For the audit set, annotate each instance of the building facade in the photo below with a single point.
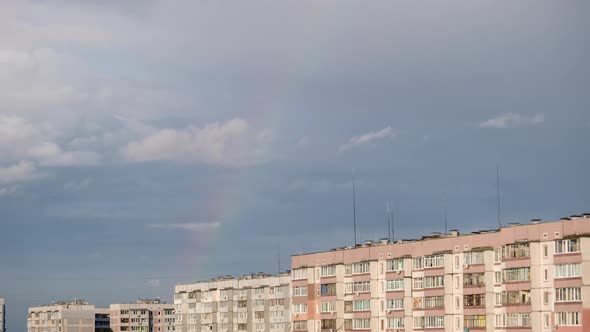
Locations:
(533, 277)
(2, 315)
(253, 303)
(70, 316)
(143, 315)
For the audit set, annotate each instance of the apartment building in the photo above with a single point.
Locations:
(2, 315)
(65, 316)
(150, 315)
(531, 277)
(253, 303)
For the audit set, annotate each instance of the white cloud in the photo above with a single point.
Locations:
(369, 137)
(302, 142)
(75, 186)
(509, 120)
(153, 283)
(23, 171)
(232, 143)
(192, 227)
(9, 190)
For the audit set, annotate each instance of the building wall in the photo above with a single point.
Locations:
(61, 318)
(146, 317)
(252, 303)
(495, 280)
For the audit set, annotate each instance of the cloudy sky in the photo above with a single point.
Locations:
(146, 143)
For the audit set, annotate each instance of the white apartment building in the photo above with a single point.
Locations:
(143, 315)
(70, 316)
(253, 303)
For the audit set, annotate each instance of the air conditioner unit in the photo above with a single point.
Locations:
(388, 311)
(465, 266)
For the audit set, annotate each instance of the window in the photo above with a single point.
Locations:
(545, 251)
(497, 255)
(546, 274)
(568, 318)
(300, 291)
(395, 284)
(358, 268)
(395, 264)
(242, 327)
(328, 289)
(277, 290)
(568, 270)
(418, 283)
(474, 321)
(474, 279)
(516, 250)
(259, 326)
(497, 277)
(259, 291)
(361, 305)
(395, 323)
(328, 270)
(434, 282)
(513, 320)
(361, 287)
(328, 306)
(275, 302)
(418, 263)
(299, 274)
(259, 314)
(567, 246)
(457, 261)
(347, 306)
(395, 304)
(568, 294)
(429, 302)
(348, 269)
(429, 322)
(473, 258)
(299, 325)
(515, 297)
(328, 324)
(547, 320)
(517, 274)
(474, 300)
(258, 303)
(361, 324)
(433, 261)
(299, 308)
(242, 304)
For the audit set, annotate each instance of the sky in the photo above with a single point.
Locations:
(149, 143)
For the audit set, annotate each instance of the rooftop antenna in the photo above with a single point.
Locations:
(388, 223)
(446, 218)
(354, 207)
(279, 256)
(392, 214)
(498, 192)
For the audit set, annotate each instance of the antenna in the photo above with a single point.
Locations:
(354, 207)
(279, 256)
(446, 219)
(498, 192)
(388, 223)
(392, 227)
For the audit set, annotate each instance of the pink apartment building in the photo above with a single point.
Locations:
(143, 315)
(531, 277)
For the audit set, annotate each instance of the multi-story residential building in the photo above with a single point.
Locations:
(253, 303)
(531, 277)
(102, 322)
(143, 315)
(70, 316)
(2, 315)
